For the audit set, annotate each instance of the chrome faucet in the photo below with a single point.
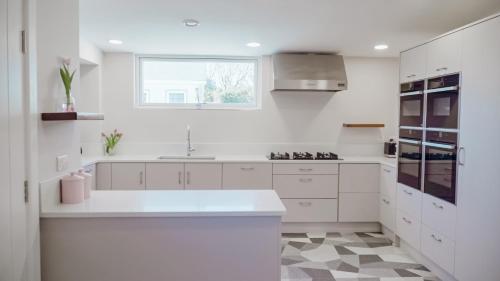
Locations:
(189, 148)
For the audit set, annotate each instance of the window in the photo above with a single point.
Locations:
(197, 83)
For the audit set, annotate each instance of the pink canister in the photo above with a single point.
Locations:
(87, 182)
(72, 189)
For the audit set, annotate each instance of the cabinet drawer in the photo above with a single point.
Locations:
(439, 215)
(247, 176)
(408, 229)
(410, 201)
(203, 176)
(310, 210)
(358, 207)
(306, 186)
(387, 212)
(438, 248)
(305, 169)
(359, 178)
(164, 176)
(103, 176)
(128, 176)
(388, 181)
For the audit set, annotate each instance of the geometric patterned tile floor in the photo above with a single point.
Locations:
(346, 257)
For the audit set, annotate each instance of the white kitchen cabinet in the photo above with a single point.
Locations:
(203, 176)
(306, 186)
(387, 212)
(128, 176)
(439, 215)
(444, 55)
(359, 178)
(247, 176)
(409, 200)
(412, 66)
(388, 181)
(478, 192)
(358, 207)
(91, 169)
(310, 210)
(164, 176)
(408, 228)
(438, 248)
(305, 169)
(103, 176)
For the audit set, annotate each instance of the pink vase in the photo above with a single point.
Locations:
(72, 189)
(87, 182)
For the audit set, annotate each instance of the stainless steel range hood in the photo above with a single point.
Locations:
(308, 72)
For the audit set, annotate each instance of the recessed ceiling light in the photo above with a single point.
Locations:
(381, 47)
(191, 23)
(253, 44)
(115, 42)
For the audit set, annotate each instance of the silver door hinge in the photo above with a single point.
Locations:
(26, 191)
(23, 41)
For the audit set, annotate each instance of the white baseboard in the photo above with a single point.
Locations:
(342, 227)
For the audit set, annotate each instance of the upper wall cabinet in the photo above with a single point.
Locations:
(443, 55)
(413, 64)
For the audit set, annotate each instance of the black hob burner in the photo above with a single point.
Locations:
(303, 156)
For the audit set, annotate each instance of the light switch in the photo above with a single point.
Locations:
(62, 162)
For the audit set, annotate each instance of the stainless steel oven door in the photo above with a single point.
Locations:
(410, 163)
(440, 170)
(411, 109)
(442, 108)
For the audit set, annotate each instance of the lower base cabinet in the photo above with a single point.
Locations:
(359, 207)
(387, 212)
(408, 229)
(438, 248)
(310, 210)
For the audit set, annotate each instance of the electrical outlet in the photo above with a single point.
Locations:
(62, 162)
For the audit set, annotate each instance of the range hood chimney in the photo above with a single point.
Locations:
(308, 72)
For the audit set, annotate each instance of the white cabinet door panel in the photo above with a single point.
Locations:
(359, 207)
(359, 178)
(408, 228)
(310, 210)
(203, 176)
(444, 55)
(164, 176)
(128, 176)
(410, 201)
(387, 212)
(247, 176)
(103, 176)
(439, 215)
(413, 64)
(388, 181)
(438, 248)
(306, 186)
(305, 169)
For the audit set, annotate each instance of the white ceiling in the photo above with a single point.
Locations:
(351, 27)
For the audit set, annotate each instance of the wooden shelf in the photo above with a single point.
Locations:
(70, 116)
(363, 125)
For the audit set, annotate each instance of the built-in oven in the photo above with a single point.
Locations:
(440, 166)
(410, 162)
(411, 104)
(443, 102)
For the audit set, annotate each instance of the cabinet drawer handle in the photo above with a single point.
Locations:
(188, 177)
(305, 169)
(247, 168)
(387, 170)
(305, 180)
(386, 201)
(406, 220)
(179, 177)
(141, 175)
(410, 76)
(437, 239)
(408, 192)
(437, 205)
(442, 69)
(305, 204)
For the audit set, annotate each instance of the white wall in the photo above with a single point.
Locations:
(287, 121)
(57, 38)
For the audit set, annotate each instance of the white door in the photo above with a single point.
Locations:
(412, 65)
(164, 176)
(203, 176)
(128, 176)
(478, 192)
(443, 55)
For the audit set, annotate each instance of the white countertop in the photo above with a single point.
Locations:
(169, 203)
(237, 159)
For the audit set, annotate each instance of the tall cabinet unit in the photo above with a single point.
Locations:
(448, 174)
(478, 195)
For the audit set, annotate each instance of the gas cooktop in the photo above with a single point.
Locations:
(303, 156)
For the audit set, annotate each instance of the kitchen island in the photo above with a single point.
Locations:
(221, 235)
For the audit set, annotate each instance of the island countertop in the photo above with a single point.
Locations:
(169, 203)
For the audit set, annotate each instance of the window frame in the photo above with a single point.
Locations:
(257, 61)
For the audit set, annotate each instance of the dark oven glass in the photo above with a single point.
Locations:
(442, 102)
(415, 134)
(409, 164)
(440, 171)
(411, 104)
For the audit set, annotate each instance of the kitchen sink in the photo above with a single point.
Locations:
(185, 157)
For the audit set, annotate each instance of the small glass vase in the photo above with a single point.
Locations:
(109, 151)
(67, 104)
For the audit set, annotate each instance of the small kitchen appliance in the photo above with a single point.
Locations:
(390, 148)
